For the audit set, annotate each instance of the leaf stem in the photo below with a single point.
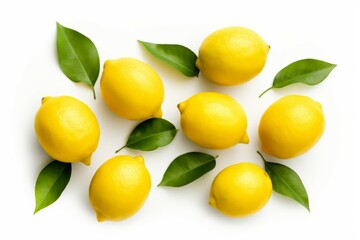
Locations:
(94, 94)
(120, 149)
(261, 156)
(265, 91)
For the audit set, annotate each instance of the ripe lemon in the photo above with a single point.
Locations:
(240, 190)
(291, 126)
(232, 56)
(213, 120)
(67, 129)
(132, 89)
(119, 188)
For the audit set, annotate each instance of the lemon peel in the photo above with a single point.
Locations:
(240, 190)
(213, 120)
(67, 129)
(119, 188)
(232, 55)
(291, 126)
(132, 89)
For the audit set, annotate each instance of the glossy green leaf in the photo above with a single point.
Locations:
(177, 56)
(307, 71)
(77, 55)
(186, 168)
(50, 183)
(287, 182)
(151, 134)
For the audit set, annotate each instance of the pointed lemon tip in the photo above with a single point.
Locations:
(106, 63)
(212, 201)
(198, 63)
(158, 113)
(86, 161)
(181, 107)
(100, 217)
(45, 99)
(139, 159)
(245, 139)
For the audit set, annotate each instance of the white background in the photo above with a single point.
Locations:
(326, 30)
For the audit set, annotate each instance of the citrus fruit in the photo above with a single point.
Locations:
(240, 190)
(132, 89)
(67, 129)
(119, 188)
(213, 120)
(232, 55)
(291, 126)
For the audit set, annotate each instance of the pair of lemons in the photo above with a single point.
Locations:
(68, 130)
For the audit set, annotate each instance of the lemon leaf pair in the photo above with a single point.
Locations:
(50, 183)
(77, 55)
(306, 71)
(157, 132)
(286, 182)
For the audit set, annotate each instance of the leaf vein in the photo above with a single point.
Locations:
(148, 136)
(57, 177)
(200, 166)
(293, 80)
(87, 74)
(298, 197)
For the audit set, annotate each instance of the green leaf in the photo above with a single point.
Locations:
(50, 183)
(151, 134)
(307, 71)
(77, 55)
(186, 168)
(287, 182)
(177, 56)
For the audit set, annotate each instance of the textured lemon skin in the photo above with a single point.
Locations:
(232, 55)
(67, 129)
(132, 89)
(240, 190)
(213, 120)
(291, 126)
(119, 188)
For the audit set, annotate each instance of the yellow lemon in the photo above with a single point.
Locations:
(132, 89)
(240, 190)
(119, 188)
(67, 129)
(291, 126)
(213, 120)
(232, 55)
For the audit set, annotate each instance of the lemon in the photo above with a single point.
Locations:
(67, 129)
(119, 188)
(232, 55)
(132, 89)
(240, 190)
(291, 126)
(213, 120)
